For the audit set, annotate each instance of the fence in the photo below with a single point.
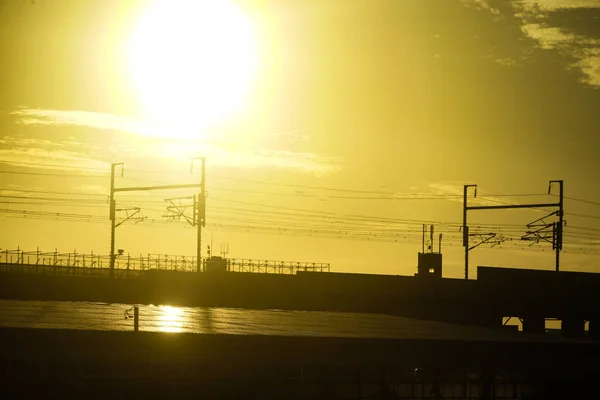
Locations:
(274, 267)
(97, 261)
(98, 265)
(71, 271)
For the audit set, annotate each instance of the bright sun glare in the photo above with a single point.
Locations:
(193, 62)
(171, 319)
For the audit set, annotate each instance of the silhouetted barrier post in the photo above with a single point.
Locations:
(594, 328)
(136, 319)
(534, 324)
(573, 327)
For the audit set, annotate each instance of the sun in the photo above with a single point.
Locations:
(193, 63)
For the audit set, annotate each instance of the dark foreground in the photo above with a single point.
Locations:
(530, 295)
(108, 364)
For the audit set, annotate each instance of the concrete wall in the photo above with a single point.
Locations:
(499, 292)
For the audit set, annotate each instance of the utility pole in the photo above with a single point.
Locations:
(200, 212)
(112, 215)
(465, 227)
(557, 237)
(559, 228)
(199, 209)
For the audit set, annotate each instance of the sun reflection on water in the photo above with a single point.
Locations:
(170, 319)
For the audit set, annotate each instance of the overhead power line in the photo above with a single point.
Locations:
(58, 166)
(265, 209)
(52, 199)
(582, 200)
(584, 215)
(399, 195)
(49, 192)
(335, 231)
(52, 174)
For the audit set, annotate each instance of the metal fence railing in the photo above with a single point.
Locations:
(274, 267)
(97, 261)
(58, 270)
(91, 264)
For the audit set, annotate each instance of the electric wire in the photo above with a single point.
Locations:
(278, 218)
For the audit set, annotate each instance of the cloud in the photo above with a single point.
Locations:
(37, 116)
(567, 26)
(94, 189)
(148, 140)
(506, 61)
(547, 37)
(49, 156)
(481, 4)
(551, 5)
(452, 189)
(456, 190)
(590, 65)
(570, 26)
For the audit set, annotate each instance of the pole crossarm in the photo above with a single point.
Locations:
(532, 234)
(489, 238)
(135, 210)
(541, 233)
(177, 211)
(513, 206)
(533, 224)
(138, 188)
(536, 235)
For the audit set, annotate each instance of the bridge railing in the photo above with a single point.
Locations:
(71, 271)
(31, 261)
(274, 266)
(97, 261)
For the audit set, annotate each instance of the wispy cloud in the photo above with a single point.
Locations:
(38, 116)
(224, 150)
(551, 5)
(581, 46)
(456, 190)
(537, 24)
(481, 4)
(589, 62)
(24, 152)
(547, 37)
(93, 189)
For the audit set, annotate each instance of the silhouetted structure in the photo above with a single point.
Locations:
(443, 361)
(467, 354)
(430, 263)
(498, 293)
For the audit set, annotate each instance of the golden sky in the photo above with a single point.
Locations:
(332, 130)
